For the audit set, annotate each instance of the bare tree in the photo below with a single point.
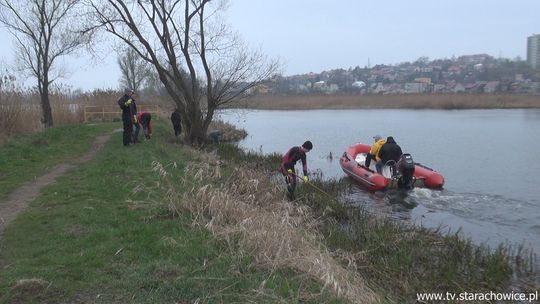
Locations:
(44, 32)
(199, 60)
(134, 69)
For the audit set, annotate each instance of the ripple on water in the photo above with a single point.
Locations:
(484, 217)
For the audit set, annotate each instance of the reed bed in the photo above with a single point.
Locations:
(21, 109)
(247, 207)
(17, 117)
(405, 101)
(22, 114)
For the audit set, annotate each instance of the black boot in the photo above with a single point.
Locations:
(290, 192)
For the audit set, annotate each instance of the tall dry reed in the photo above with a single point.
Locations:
(402, 101)
(21, 108)
(250, 208)
(21, 113)
(16, 115)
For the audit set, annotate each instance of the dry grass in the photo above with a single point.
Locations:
(229, 132)
(409, 101)
(32, 290)
(21, 113)
(16, 117)
(31, 286)
(248, 207)
(21, 110)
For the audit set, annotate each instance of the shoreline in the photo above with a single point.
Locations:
(412, 101)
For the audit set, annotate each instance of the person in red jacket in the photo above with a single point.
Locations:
(144, 119)
(287, 166)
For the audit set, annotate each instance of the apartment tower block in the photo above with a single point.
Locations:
(533, 51)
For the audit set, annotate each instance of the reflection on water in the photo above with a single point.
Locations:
(488, 159)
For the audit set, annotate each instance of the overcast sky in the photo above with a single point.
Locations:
(316, 35)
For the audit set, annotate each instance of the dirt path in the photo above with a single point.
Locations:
(20, 198)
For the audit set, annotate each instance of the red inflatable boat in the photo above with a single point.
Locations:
(353, 164)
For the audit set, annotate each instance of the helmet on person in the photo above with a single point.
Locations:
(377, 137)
(307, 145)
(129, 91)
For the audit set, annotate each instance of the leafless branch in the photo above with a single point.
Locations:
(199, 60)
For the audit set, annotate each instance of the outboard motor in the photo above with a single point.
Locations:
(405, 167)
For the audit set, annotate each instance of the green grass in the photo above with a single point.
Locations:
(27, 157)
(101, 234)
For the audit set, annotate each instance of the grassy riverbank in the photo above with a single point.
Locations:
(104, 233)
(409, 101)
(163, 223)
(26, 157)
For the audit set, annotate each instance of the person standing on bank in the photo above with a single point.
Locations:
(176, 120)
(136, 125)
(129, 109)
(287, 166)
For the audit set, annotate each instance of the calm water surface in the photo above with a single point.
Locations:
(490, 160)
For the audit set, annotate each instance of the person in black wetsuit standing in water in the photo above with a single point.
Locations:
(287, 166)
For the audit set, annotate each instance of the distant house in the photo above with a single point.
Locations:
(440, 88)
(318, 84)
(455, 69)
(423, 69)
(332, 88)
(302, 88)
(492, 87)
(358, 84)
(458, 88)
(473, 87)
(525, 87)
(426, 80)
(377, 88)
(259, 89)
(415, 87)
(393, 88)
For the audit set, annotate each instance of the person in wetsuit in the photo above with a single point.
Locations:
(287, 166)
(176, 120)
(389, 151)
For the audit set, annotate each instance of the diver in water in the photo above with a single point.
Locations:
(287, 166)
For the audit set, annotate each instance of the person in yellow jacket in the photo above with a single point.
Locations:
(374, 152)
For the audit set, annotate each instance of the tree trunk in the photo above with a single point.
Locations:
(196, 128)
(196, 134)
(47, 118)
